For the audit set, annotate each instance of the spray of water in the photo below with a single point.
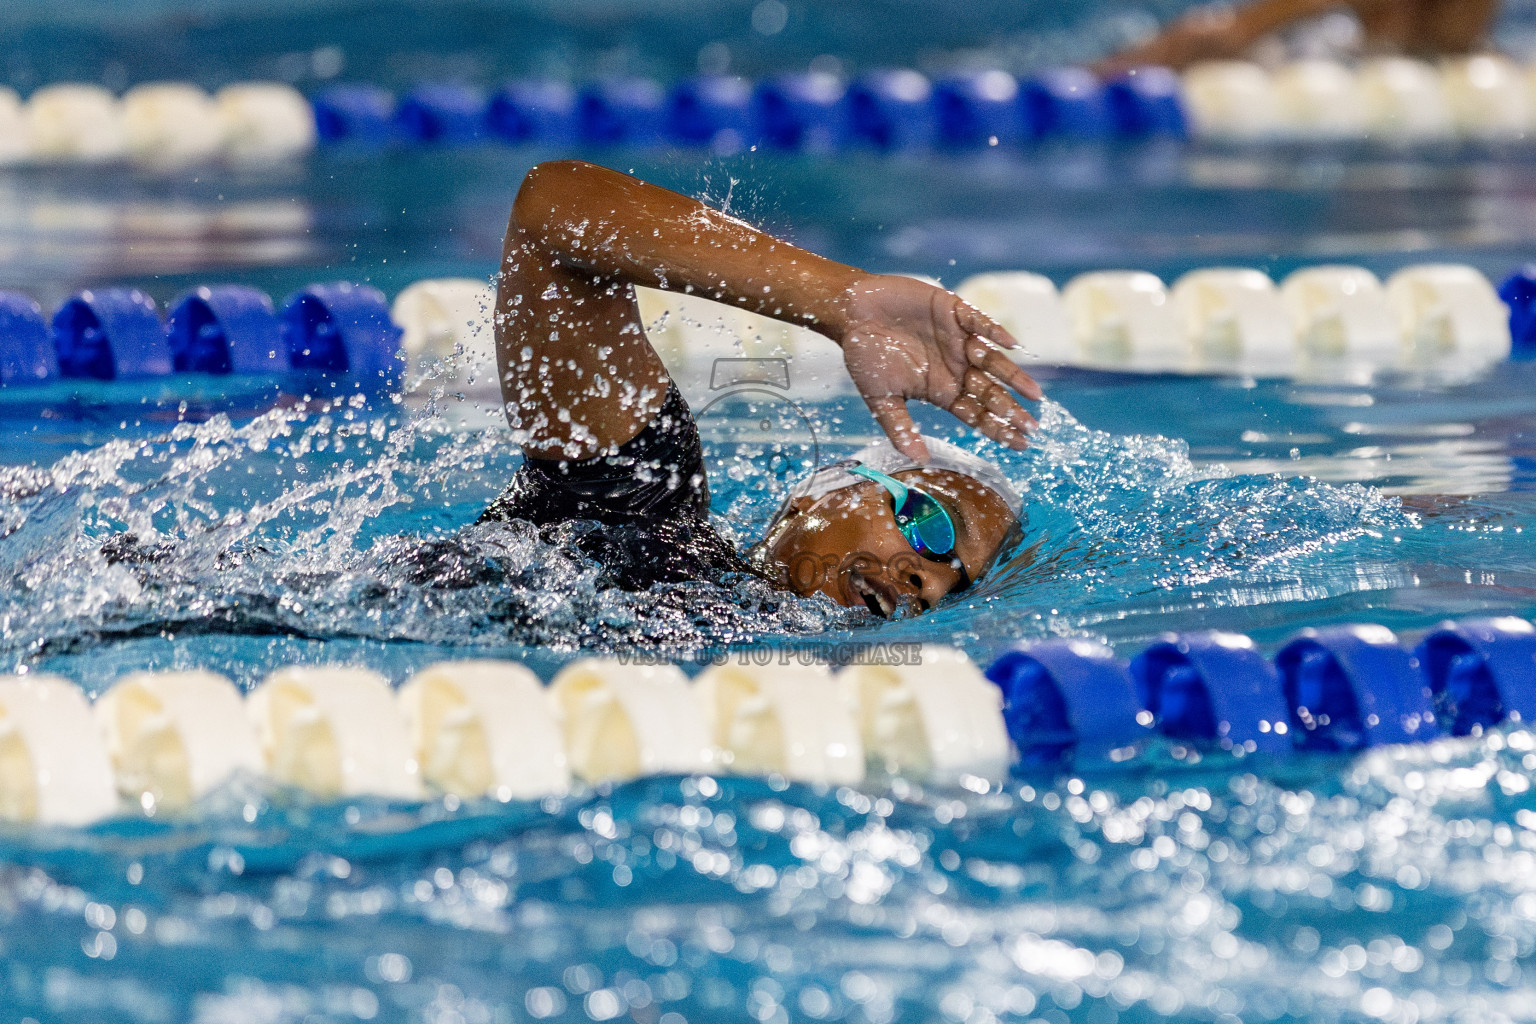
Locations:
(340, 521)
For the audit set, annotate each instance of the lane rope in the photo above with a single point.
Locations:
(1391, 102)
(1330, 322)
(483, 728)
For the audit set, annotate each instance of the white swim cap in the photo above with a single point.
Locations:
(883, 457)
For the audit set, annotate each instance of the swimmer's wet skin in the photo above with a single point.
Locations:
(607, 436)
(1422, 28)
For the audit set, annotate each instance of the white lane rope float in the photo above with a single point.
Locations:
(485, 728)
(789, 720)
(334, 731)
(172, 737)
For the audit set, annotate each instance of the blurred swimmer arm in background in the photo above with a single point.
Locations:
(579, 377)
(1424, 28)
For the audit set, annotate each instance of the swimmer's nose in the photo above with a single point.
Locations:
(922, 588)
(913, 591)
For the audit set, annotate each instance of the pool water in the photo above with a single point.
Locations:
(1395, 886)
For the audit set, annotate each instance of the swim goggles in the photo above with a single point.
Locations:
(923, 522)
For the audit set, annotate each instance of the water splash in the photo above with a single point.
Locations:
(327, 522)
(1126, 536)
(338, 521)
(1138, 516)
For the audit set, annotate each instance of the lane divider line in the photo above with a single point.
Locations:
(488, 729)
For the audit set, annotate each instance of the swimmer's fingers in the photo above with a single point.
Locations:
(990, 361)
(974, 321)
(999, 405)
(973, 412)
(891, 413)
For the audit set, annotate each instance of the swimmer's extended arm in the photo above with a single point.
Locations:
(1422, 27)
(1215, 32)
(579, 376)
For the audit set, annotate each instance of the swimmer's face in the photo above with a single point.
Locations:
(846, 545)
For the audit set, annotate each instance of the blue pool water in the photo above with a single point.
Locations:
(1393, 886)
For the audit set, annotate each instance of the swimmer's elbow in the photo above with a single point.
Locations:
(549, 191)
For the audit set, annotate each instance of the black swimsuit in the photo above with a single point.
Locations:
(651, 498)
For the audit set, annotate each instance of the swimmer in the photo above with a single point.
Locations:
(607, 437)
(1419, 28)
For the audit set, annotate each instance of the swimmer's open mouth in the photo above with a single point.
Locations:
(879, 599)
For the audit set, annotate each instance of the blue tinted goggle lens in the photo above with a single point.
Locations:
(920, 518)
(925, 524)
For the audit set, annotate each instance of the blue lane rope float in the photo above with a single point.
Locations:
(893, 110)
(355, 114)
(533, 111)
(1519, 293)
(1324, 673)
(1329, 689)
(715, 111)
(27, 355)
(623, 111)
(1212, 688)
(1064, 697)
(1145, 102)
(225, 329)
(111, 334)
(438, 113)
(978, 109)
(1066, 103)
(342, 328)
(803, 112)
(1481, 672)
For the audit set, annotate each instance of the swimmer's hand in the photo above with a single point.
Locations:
(903, 340)
(1205, 33)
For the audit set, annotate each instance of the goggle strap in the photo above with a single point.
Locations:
(896, 488)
